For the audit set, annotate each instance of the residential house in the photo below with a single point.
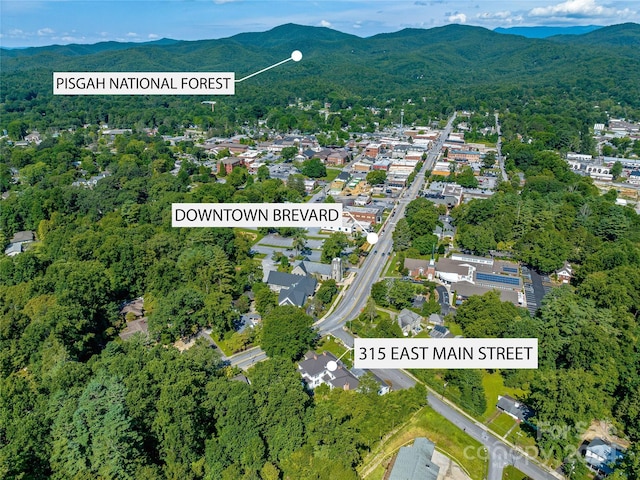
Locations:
(440, 331)
(565, 273)
(18, 242)
(415, 462)
(410, 322)
(310, 184)
(634, 177)
(518, 410)
(315, 371)
(137, 322)
(446, 229)
(34, 137)
(292, 289)
(601, 456)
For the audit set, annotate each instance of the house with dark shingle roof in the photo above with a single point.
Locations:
(314, 371)
(410, 322)
(292, 289)
(414, 462)
(18, 241)
(515, 409)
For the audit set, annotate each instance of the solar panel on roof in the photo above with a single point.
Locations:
(498, 278)
(510, 269)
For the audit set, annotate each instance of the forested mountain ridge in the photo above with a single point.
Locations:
(624, 34)
(460, 66)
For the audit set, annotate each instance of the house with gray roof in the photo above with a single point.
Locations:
(514, 408)
(440, 331)
(314, 372)
(321, 271)
(410, 322)
(601, 456)
(292, 289)
(414, 462)
(18, 241)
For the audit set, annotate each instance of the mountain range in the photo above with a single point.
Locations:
(410, 61)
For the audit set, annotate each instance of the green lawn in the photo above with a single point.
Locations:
(502, 424)
(521, 438)
(454, 328)
(494, 386)
(512, 473)
(332, 173)
(391, 270)
(448, 439)
(330, 344)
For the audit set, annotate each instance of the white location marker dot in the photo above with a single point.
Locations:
(296, 55)
(332, 365)
(372, 238)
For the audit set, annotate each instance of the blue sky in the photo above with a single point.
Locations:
(46, 22)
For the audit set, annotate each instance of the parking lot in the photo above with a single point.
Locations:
(536, 286)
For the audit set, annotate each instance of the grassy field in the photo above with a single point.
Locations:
(330, 344)
(502, 424)
(512, 473)
(521, 438)
(494, 386)
(391, 270)
(426, 423)
(332, 173)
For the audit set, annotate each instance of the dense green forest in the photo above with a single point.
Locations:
(76, 402)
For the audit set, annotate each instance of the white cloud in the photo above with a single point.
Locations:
(71, 39)
(324, 23)
(132, 34)
(220, 2)
(458, 18)
(493, 15)
(572, 8)
(45, 31)
(153, 36)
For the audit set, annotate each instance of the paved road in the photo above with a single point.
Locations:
(443, 300)
(499, 148)
(497, 452)
(248, 358)
(355, 297)
(371, 269)
(535, 288)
